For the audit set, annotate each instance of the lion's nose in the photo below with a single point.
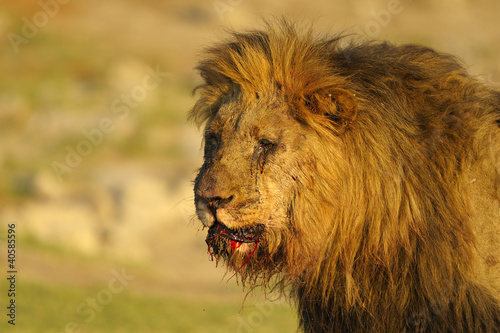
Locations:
(206, 208)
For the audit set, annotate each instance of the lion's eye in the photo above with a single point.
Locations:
(211, 143)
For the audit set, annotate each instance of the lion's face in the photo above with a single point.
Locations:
(262, 185)
(246, 185)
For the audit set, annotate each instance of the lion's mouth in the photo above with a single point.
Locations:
(220, 236)
(240, 235)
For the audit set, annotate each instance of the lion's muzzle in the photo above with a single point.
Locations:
(222, 239)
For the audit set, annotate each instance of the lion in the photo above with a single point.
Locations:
(359, 178)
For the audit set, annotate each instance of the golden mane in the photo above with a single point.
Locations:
(391, 188)
(261, 62)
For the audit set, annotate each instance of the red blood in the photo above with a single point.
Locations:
(251, 254)
(235, 244)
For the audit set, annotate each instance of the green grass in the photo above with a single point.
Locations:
(51, 308)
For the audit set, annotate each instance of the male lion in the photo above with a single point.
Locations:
(362, 178)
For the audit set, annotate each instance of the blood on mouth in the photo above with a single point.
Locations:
(219, 232)
(235, 244)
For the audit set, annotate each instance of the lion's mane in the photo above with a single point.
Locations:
(406, 187)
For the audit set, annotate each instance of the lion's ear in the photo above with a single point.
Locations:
(339, 105)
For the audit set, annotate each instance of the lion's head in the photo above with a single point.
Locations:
(263, 183)
(340, 168)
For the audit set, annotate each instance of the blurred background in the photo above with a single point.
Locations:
(97, 158)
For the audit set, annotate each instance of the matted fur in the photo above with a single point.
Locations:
(374, 168)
